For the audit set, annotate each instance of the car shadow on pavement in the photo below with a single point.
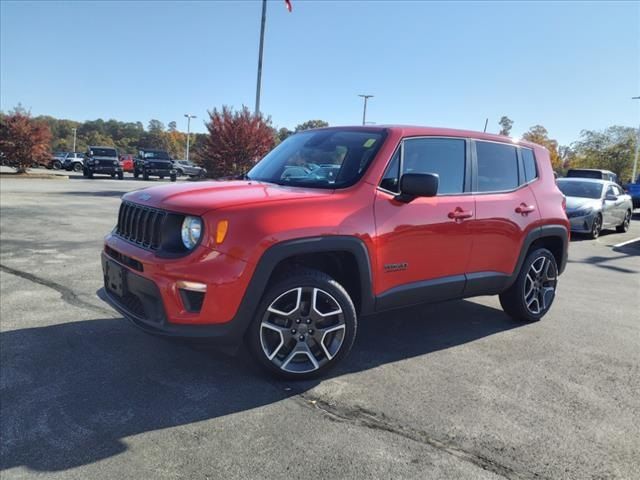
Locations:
(72, 393)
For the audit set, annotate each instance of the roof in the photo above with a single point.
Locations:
(416, 131)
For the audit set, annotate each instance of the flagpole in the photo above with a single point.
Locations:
(259, 83)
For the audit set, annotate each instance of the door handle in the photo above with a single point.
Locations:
(525, 209)
(459, 214)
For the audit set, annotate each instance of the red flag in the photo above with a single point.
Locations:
(287, 3)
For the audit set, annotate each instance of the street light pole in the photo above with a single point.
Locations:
(635, 161)
(189, 117)
(364, 110)
(259, 83)
(75, 130)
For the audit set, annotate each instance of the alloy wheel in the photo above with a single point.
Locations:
(596, 227)
(302, 330)
(627, 221)
(540, 285)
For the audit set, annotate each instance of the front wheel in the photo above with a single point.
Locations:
(120, 175)
(135, 174)
(533, 292)
(624, 226)
(173, 178)
(77, 167)
(304, 325)
(145, 175)
(57, 165)
(596, 227)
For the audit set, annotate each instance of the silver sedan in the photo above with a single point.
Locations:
(594, 205)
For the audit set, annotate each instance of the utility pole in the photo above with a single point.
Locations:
(75, 131)
(259, 83)
(635, 161)
(189, 117)
(364, 111)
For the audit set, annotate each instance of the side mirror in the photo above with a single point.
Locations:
(611, 197)
(413, 185)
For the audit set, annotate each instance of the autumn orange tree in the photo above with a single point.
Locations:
(538, 134)
(236, 141)
(23, 140)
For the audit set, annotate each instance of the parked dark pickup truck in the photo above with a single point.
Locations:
(103, 161)
(155, 163)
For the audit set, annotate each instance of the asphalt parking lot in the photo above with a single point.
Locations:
(454, 390)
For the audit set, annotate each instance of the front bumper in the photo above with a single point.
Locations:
(157, 171)
(582, 224)
(151, 299)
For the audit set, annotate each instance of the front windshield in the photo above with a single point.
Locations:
(332, 158)
(581, 189)
(156, 155)
(103, 152)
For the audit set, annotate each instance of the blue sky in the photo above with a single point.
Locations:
(568, 66)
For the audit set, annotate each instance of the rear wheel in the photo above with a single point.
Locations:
(624, 226)
(77, 167)
(533, 292)
(173, 178)
(57, 165)
(596, 227)
(135, 174)
(145, 175)
(304, 325)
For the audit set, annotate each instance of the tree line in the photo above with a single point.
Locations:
(236, 139)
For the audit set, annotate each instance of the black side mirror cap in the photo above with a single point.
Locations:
(413, 185)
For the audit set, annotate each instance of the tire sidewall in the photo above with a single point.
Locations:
(311, 279)
(519, 285)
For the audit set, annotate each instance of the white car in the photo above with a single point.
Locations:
(594, 205)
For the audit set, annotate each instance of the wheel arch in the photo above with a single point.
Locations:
(344, 258)
(554, 238)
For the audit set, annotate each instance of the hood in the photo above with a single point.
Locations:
(200, 197)
(575, 203)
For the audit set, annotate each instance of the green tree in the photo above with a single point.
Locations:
(173, 126)
(309, 124)
(611, 149)
(155, 126)
(24, 141)
(505, 125)
(538, 134)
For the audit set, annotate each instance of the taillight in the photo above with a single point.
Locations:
(564, 203)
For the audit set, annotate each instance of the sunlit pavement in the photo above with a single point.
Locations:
(455, 390)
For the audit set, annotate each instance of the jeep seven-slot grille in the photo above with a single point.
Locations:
(140, 225)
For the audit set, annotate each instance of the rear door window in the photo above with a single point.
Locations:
(497, 167)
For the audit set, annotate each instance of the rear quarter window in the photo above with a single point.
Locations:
(497, 166)
(529, 164)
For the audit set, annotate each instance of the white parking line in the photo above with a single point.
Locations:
(627, 242)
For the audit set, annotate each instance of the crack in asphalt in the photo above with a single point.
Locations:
(67, 295)
(379, 421)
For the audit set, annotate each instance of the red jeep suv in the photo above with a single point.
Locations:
(335, 224)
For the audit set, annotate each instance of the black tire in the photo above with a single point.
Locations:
(56, 165)
(77, 167)
(515, 300)
(113, 175)
(179, 173)
(341, 339)
(89, 174)
(161, 177)
(173, 178)
(596, 227)
(135, 174)
(624, 226)
(120, 175)
(85, 173)
(145, 175)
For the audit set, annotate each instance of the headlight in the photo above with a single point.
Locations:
(191, 230)
(116, 163)
(90, 161)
